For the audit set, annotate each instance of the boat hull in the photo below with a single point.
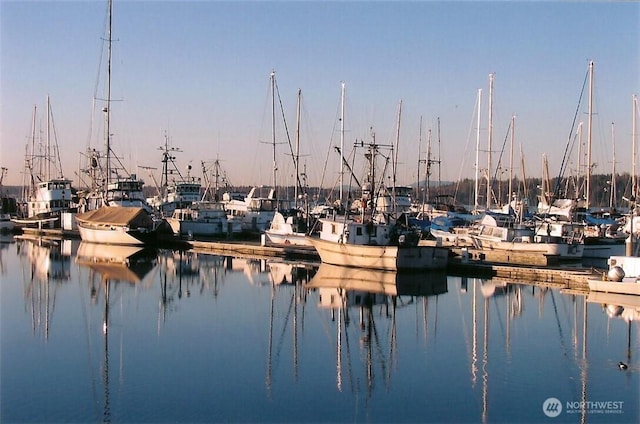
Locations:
(630, 287)
(381, 257)
(114, 235)
(564, 251)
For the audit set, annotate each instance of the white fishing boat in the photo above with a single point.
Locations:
(200, 219)
(44, 197)
(351, 242)
(118, 225)
(254, 213)
(502, 232)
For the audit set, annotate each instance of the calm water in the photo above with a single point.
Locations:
(201, 338)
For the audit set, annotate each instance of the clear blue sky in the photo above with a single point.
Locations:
(200, 71)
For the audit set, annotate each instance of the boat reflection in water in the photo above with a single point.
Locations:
(119, 263)
(112, 267)
(45, 266)
(372, 294)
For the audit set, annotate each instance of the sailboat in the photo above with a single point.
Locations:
(123, 216)
(290, 228)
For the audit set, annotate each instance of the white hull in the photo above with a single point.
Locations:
(381, 257)
(603, 251)
(289, 239)
(628, 286)
(563, 250)
(111, 235)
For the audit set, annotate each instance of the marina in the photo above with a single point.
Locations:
(375, 254)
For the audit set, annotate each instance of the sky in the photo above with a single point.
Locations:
(198, 73)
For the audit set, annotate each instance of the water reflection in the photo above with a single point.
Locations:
(363, 340)
(371, 295)
(45, 264)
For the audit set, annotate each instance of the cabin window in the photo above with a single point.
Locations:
(358, 231)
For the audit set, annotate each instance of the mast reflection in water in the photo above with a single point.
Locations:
(113, 334)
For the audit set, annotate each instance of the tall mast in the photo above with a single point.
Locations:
(297, 156)
(612, 195)
(634, 142)
(342, 93)
(273, 130)
(476, 191)
(489, 140)
(419, 160)
(107, 109)
(47, 155)
(589, 127)
(513, 129)
(395, 160)
(429, 162)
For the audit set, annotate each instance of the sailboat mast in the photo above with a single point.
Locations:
(612, 195)
(589, 128)
(107, 109)
(48, 148)
(395, 160)
(513, 129)
(273, 130)
(634, 142)
(489, 142)
(419, 160)
(342, 93)
(297, 156)
(476, 188)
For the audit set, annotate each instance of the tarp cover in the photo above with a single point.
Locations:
(112, 215)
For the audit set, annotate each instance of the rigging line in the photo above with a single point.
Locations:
(504, 143)
(563, 164)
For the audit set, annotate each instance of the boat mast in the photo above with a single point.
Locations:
(476, 201)
(342, 94)
(48, 146)
(634, 142)
(394, 157)
(513, 129)
(419, 160)
(107, 109)
(273, 131)
(428, 171)
(589, 128)
(612, 196)
(297, 156)
(490, 141)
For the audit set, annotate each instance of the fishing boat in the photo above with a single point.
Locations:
(45, 196)
(253, 213)
(118, 225)
(502, 232)
(372, 239)
(200, 219)
(375, 245)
